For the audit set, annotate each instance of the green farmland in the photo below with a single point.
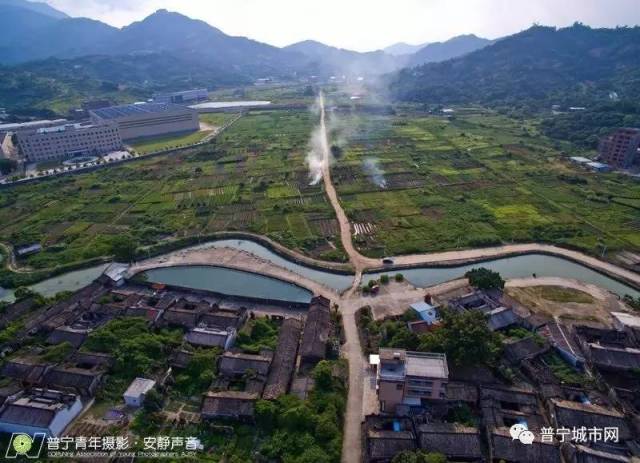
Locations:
(478, 179)
(475, 180)
(251, 178)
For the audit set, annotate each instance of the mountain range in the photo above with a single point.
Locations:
(542, 65)
(50, 56)
(35, 31)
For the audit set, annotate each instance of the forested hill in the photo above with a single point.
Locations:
(540, 66)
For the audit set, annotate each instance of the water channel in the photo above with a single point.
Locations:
(235, 282)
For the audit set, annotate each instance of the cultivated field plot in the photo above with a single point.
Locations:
(251, 178)
(427, 183)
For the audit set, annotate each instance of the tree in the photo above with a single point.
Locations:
(465, 338)
(153, 401)
(323, 375)
(483, 278)
(123, 248)
(266, 413)
(7, 166)
(23, 293)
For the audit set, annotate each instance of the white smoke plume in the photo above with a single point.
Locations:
(315, 157)
(375, 173)
(318, 145)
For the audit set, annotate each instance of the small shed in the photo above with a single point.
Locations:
(134, 395)
(427, 312)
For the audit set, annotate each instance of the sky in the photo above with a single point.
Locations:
(365, 25)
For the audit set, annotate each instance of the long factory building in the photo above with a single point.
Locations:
(68, 140)
(148, 119)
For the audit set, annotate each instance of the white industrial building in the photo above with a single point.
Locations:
(39, 411)
(69, 140)
(148, 119)
(186, 96)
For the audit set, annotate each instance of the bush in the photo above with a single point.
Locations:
(483, 278)
(399, 277)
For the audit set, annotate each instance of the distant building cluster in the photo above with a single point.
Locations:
(40, 394)
(572, 387)
(104, 131)
(620, 149)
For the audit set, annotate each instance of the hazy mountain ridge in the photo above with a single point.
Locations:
(575, 64)
(449, 49)
(31, 35)
(340, 60)
(403, 48)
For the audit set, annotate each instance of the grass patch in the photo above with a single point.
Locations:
(561, 294)
(153, 145)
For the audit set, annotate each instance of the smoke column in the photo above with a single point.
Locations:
(375, 173)
(318, 157)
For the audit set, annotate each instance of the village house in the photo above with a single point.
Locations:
(284, 360)
(24, 370)
(609, 350)
(316, 332)
(151, 314)
(504, 406)
(584, 454)
(410, 378)
(569, 414)
(73, 336)
(180, 358)
(563, 342)
(211, 337)
(237, 405)
(224, 318)
(614, 359)
(10, 392)
(504, 449)
(459, 392)
(629, 323)
(385, 437)
(456, 442)
(238, 364)
(92, 360)
(185, 313)
(137, 390)
(84, 381)
(518, 350)
(489, 303)
(39, 411)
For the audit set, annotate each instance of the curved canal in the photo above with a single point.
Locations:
(235, 282)
(230, 282)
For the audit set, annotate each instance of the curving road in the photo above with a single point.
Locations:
(352, 440)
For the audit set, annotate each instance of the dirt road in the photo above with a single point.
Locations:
(358, 261)
(351, 444)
